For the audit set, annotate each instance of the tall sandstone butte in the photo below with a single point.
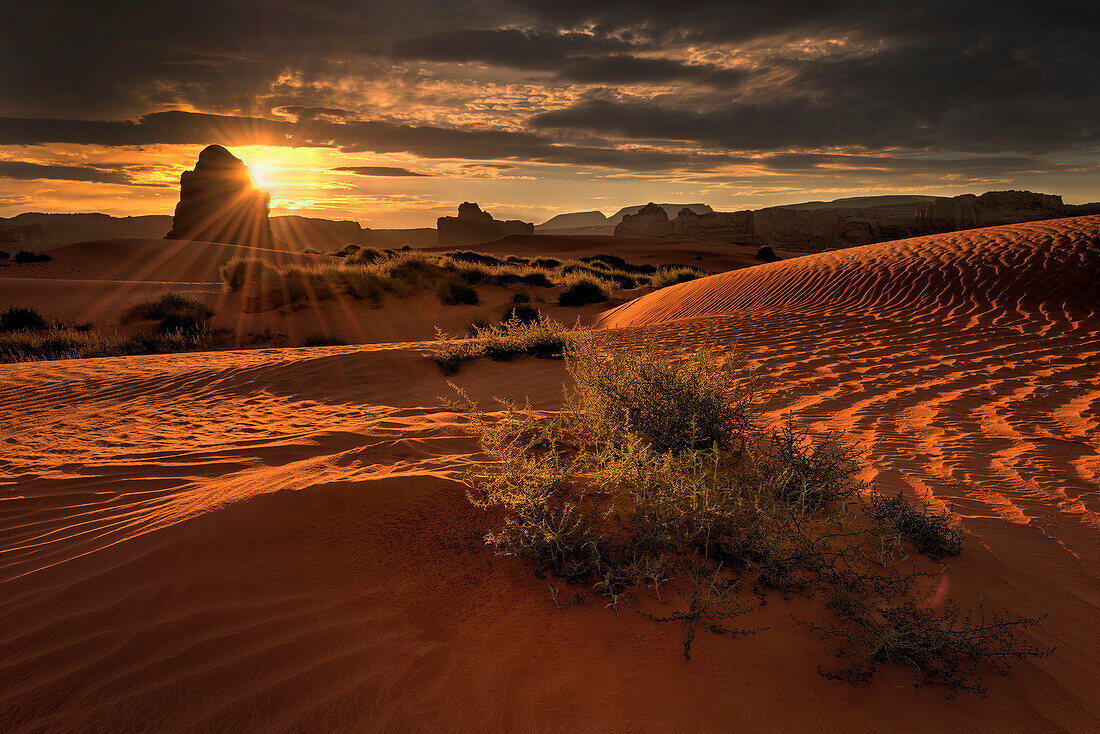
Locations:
(473, 226)
(219, 203)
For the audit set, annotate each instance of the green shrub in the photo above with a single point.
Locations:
(26, 256)
(21, 319)
(174, 312)
(694, 403)
(581, 289)
(618, 492)
(931, 533)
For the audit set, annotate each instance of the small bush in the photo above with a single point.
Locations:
(454, 292)
(26, 256)
(931, 533)
(521, 297)
(321, 339)
(609, 260)
(4, 254)
(581, 289)
(175, 312)
(21, 319)
(670, 406)
(671, 276)
(767, 254)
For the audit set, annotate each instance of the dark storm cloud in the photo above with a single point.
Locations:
(24, 171)
(634, 70)
(505, 47)
(378, 171)
(188, 128)
(1005, 80)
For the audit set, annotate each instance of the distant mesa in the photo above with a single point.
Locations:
(650, 221)
(595, 223)
(845, 222)
(473, 226)
(219, 203)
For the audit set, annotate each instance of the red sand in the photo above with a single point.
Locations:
(245, 541)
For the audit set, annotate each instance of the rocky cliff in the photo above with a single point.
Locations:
(219, 203)
(819, 225)
(473, 226)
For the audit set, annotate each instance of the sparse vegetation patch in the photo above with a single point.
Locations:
(656, 491)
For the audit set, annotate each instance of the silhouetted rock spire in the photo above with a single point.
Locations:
(219, 203)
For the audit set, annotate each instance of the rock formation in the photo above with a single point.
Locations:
(219, 203)
(473, 226)
(718, 226)
(820, 225)
(650, 221)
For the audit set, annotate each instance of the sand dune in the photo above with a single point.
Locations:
(248, 541)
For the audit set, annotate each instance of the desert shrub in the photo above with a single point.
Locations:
(618, 492)
(174, 312)
(767, 254)
(931, 533)
(671, 276)
(545, 262)
(472, 273)
(365, 256)
(4, 254)
(321, 339)
(690, 404)
(609, 260)
(522, 313)
(581, 289)
(453, 292)
(544, 339)
(241, 273)
(17, 318)
(26, 256)
(521, 297)
(620, 278)
(474, 257)
(69, 343)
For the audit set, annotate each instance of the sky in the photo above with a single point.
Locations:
(391, 112)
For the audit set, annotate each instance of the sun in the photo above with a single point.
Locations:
(262, 175)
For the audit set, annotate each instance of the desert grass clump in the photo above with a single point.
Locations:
(622, 494)
(248, 273)
(581, 289)
(365, 256)
(17, 318)
(932, 533)
(63, 342)
(543, 338)
(453, 292)
(665, 277)
(174, 312)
